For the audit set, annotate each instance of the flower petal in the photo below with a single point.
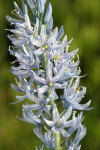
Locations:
(67, 115)
(48, 13)
(35, 42)
(32, 107)
(59, 74)
(27, 20)
(48, 122)
(60, 34)
(55, 114)
(82, 106)
(43, 32)
(43, 89)
(38, 52)
(39, 79)
(80, 134)
(49, 70)
(64, 133)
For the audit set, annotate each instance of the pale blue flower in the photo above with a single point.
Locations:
(47, 138)
(50, 83)
(41, 4)
(47, 43)
(73, 95)
(66, 58)
(61, 123)
(28, 116)
(74, 145)
(40, 105)
(28, 62)
(23, 29)
(48, 19)
(71, 69)
(23, 87)
(78, 120)
(61, 56)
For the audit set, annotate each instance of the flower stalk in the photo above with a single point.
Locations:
(57, 134)
(44, 61)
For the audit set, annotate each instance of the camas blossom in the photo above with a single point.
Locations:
(81, 132)
(50, 83)
(28, 116)
(47, 138)
(61, 123)
(48, 43)
(23, 29)
(28, 62)
(73, 96)
(40, 105)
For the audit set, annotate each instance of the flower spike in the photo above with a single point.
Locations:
(47, 77)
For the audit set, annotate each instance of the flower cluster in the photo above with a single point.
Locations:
(45, 67)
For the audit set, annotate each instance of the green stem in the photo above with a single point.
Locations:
(44, 61)
(52, 102)
(57, 142)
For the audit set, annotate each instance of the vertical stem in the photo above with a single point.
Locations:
(57, 142)
(44, 61)
(52, 102)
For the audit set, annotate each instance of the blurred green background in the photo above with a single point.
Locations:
(81, 20)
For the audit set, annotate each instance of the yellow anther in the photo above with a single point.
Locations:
(58, 124)
(57, 57)
(78, 90)
(50, 84)
(33, 34)
(66, 69)
(45, 46)
(34, 69)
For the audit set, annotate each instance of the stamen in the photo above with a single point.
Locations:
(57, 57)
(45, 46)
(50, 84)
